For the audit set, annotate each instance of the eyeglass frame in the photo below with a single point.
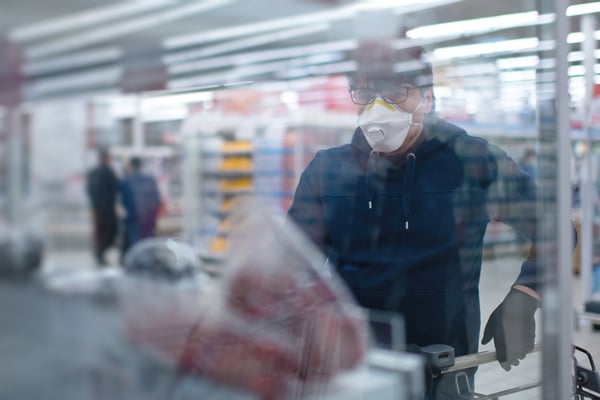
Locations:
(379, 93)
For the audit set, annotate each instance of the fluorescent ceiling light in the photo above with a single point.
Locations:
(258, 69)
(113, 31)
(579, 56)
(480, 25)
(246, 43)
(579, 37)
(164, 113)
(221, 77)
(576, 70)
(575, 37)
(515, 76)
(517, 62)
(328, 58)
(400, 6)
(248, 29)
(415, 6)
(192, 97)
(77, 60)
(579, 70)
(84, 19)
(580, 9)
(268, 55)
(474, 50)
(312, 18)
(100, 77)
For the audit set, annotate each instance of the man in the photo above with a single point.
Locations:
(141, 201)
(102, 190)
(401, 212)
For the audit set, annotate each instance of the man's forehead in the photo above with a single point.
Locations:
(379, 83)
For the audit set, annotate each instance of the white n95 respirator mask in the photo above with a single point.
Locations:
(385, 125)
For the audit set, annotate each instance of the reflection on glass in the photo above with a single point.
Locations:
(416, 171)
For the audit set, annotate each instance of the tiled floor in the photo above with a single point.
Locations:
(497, 276)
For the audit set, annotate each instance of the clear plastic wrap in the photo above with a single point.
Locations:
(21, 253)
(162, 258)
(275, 321)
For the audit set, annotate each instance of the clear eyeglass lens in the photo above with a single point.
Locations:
(367, 96)
(363, 96)
(395, 96)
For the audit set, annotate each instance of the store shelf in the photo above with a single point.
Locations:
(146, 151)
(226, 171)
(229, 174)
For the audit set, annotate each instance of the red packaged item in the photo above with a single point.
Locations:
(277, 279)
(276, 320)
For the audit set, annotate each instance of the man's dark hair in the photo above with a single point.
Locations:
(381, 62)
(136, 163)
(103, 155)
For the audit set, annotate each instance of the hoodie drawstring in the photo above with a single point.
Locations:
(370, 167)
(409, 175)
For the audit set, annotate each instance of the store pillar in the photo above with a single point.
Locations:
(11, 135)
(144, 71)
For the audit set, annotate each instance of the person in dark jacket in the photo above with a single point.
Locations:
(141, 201)
(102, 187)
(401, 212)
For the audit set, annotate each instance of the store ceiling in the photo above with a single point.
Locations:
(57, 33)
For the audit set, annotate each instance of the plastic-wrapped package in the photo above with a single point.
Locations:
(277, 293)
(275, 322)
(21, 254)
(161, 258)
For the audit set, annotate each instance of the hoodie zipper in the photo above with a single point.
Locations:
(409, 175)
(374, 154)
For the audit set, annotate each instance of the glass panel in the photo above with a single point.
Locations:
(433, 213)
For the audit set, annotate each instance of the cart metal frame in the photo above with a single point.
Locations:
(586, 380)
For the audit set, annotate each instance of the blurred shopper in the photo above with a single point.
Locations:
(141, 201)
(529, 163)
(103, 189)
(401, 212)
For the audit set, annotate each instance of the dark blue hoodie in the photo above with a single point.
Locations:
(406, 232)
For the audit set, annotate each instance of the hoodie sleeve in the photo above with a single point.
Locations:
(306, 209)
(511, 194)
(513, 197)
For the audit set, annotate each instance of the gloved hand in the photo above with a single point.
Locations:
(512, 326)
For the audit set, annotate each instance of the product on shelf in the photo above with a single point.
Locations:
(227, 173)
(236, 146)
(218, 245)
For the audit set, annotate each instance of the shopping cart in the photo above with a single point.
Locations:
(441, 359)
(587, 380)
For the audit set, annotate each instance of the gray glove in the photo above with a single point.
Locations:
(512, 326)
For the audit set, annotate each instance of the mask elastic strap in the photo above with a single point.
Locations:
(413, 113)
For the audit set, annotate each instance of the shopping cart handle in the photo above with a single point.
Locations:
(476, 359)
